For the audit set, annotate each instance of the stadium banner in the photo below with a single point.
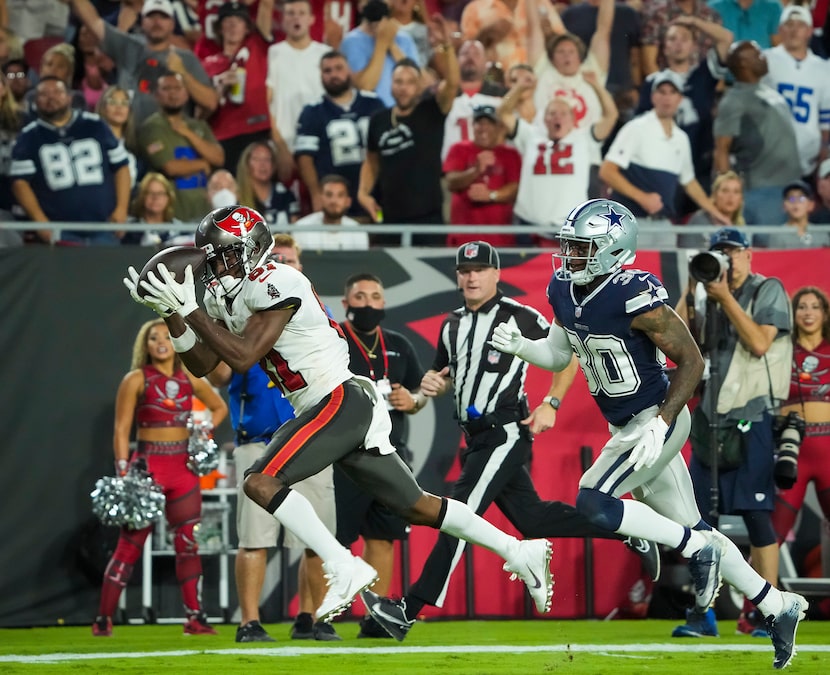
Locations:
(67, 337)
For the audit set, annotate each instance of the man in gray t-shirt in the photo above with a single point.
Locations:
(754, 124)
(141, 59)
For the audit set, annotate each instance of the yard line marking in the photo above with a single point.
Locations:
(494, 649)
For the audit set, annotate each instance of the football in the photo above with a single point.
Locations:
(176, 258)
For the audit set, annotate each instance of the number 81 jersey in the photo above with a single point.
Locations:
(311, 357)
(624, 369)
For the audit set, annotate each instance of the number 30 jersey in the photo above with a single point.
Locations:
(311, 357)
(625, 370)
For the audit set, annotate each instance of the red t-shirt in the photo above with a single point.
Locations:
(464, 211)
(342, 11)
(251, 115)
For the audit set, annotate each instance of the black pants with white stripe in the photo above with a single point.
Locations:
(494, 468)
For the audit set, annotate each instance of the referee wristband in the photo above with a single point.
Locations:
(185, 342)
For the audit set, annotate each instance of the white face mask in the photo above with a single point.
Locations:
(223, 197)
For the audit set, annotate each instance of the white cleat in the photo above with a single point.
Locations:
(531, 564)
(345, 580)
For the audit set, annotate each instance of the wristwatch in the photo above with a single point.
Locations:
(552, 401)
(493, 195)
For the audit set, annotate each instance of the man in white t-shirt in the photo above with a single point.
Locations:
(334, 193)
(559, 63)
(650, 158)
(803, 79)
(293, 70)
(555, 164)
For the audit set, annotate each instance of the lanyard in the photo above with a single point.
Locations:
(362, 348)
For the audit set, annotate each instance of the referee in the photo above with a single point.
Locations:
(492, 410)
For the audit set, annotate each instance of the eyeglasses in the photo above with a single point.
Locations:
(796, 199)
(117, 102)
(16, 76)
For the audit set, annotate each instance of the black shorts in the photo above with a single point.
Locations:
(359, 514)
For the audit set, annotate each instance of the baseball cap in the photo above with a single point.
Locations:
(375, 10)
(667, 77)
(233, 9)
(797, 12)
(798, 185)
(824, 169)
(162, 6)
(477, 253)
(728, 236)
(487, 111)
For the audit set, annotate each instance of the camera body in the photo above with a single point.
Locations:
(709, 266)
(788, 431)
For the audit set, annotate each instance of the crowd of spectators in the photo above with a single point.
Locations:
(504, 111)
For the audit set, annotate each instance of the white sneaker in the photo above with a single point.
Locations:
(531, 564)
(345, 580)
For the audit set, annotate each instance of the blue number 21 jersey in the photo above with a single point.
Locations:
(624, 369)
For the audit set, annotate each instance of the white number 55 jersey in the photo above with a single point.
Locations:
(311, 357)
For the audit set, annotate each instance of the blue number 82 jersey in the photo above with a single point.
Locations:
(624, 369)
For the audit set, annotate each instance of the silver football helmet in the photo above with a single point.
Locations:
(236, 240)
(598, 237)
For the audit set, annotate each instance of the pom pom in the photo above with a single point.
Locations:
(201, 448)
(135, 501)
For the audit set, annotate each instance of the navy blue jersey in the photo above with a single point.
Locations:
(336, 137)
(281, 206)
(71, 169)
(624, 369)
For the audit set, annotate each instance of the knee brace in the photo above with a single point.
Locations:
(601, 509)
(759, 528)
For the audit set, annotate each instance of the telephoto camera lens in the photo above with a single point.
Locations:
(790, 431)
(708, 266)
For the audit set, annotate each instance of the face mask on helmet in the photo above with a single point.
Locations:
(236, 241)
(598, 238)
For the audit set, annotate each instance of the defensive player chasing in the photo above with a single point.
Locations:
(259, 311)
(619, 325)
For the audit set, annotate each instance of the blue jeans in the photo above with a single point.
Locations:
(764, 206)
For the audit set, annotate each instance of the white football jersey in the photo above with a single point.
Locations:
(554, 174)
(311, 357)
(458, 126)
(806, 86)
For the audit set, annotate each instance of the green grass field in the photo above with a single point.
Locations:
(455, 647)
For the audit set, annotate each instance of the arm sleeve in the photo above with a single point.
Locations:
(551, 353)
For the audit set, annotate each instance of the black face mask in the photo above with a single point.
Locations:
(365, 319)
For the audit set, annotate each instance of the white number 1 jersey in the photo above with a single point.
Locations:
(311, 357)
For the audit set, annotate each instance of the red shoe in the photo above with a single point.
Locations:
(749, 624)
(102, 626)
(197, 624)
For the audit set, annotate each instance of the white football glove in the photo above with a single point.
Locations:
(507, 339)
(179, 297)
(648, 449)
(131, 283)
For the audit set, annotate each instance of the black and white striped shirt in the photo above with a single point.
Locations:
(485, 379)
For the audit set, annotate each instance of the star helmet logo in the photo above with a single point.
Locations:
(471, 251)
(614, 219)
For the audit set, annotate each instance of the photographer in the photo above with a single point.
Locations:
(736, 317)
(809, 398)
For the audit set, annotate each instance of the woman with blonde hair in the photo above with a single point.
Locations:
(114, 108)
(153, 204)
(259, 188)
(157, 396)
(728, 197)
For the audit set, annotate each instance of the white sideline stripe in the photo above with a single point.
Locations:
(472, 649)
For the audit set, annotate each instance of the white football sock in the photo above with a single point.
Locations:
(640, 520)
(462, 522)
(737, 572)
(297, 514)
